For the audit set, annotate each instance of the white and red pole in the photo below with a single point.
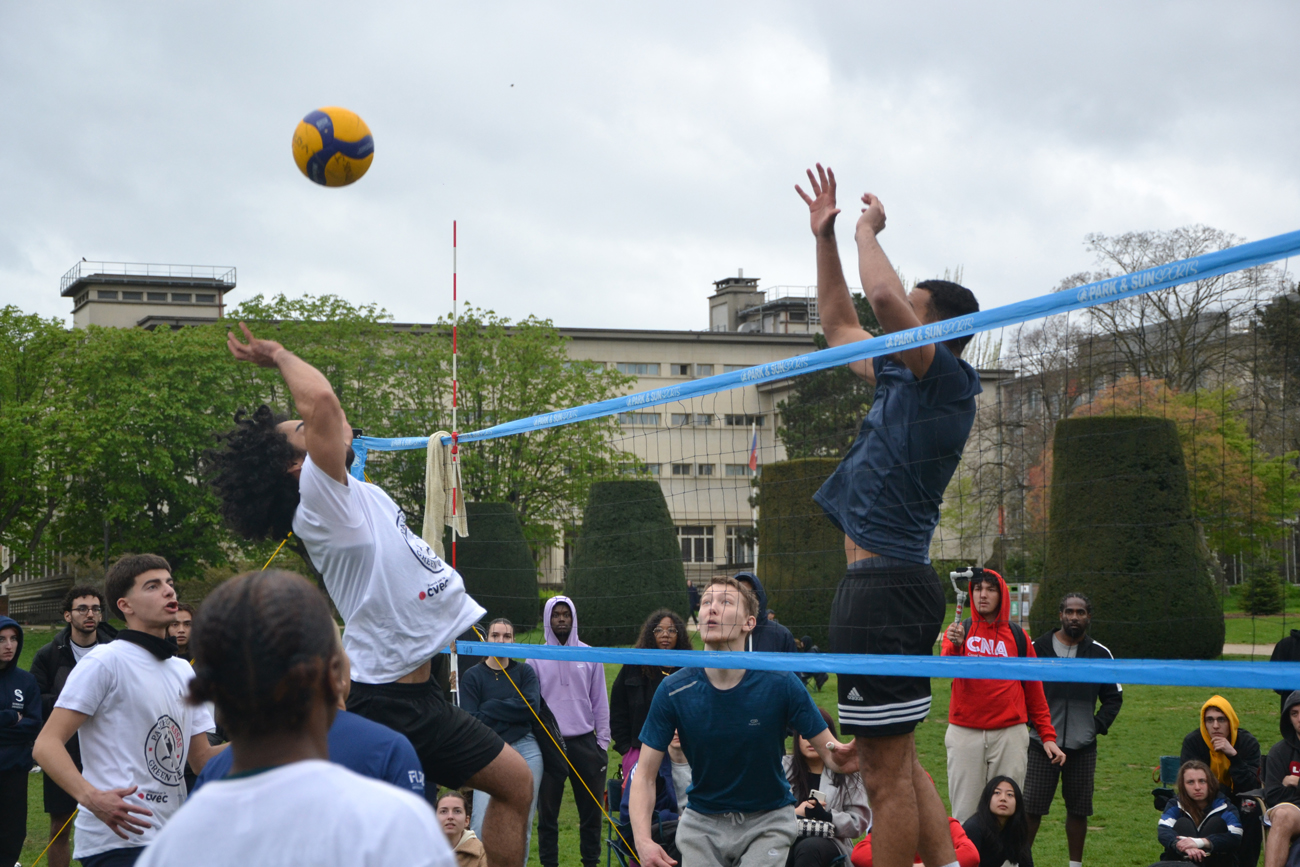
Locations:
(454, 674)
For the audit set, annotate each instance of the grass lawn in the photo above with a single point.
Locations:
(1122, 832)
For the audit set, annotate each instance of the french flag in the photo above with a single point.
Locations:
(753, 454)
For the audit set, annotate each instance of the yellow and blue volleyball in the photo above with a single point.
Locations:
(333, 147)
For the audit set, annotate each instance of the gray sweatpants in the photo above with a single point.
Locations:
(736, 839)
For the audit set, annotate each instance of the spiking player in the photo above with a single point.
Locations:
(885, 497)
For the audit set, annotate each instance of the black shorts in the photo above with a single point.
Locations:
(1076, 778)
(451, 744)
(896, 609)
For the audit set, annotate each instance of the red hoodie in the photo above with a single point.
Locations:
(996, 704)
(967, 854)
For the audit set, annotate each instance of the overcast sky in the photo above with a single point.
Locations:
(607, 165)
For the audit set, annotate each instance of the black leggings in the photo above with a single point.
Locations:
(812, 852)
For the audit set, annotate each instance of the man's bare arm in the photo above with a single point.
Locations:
(834, 304)
(882, 287)
(641, 802)
(110, 806)
(201, 751)
(329, 436)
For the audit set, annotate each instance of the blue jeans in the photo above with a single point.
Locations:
(532, 753)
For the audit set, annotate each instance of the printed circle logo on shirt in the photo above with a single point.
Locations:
(164, 752)
(418, 546)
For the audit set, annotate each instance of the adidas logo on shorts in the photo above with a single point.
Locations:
(854, 695)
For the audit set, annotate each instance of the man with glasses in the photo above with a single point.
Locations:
(83, 611)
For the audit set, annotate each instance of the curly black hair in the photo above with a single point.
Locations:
(249, 471)
(647, 640)
(262, 646)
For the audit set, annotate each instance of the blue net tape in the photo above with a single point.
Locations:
(1156, 672)
(1101, 292)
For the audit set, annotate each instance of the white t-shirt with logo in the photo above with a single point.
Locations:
(311, 812)
(400, 602)
(138, 734)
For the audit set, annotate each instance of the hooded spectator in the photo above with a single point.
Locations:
(769, 635)
(1282, 785)
(20, 722)
(1233, 757)
(575, 693)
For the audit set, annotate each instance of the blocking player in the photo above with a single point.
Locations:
(885, 497)
(400, 602)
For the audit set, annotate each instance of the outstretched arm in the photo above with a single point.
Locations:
(326, 428)
(834, 305)
(882, 287)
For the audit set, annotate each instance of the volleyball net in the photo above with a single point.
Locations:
(1186, 477)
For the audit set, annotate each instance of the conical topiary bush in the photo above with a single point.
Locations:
(627, 562)
(800, 552)
(497, 564)
(1121, 531)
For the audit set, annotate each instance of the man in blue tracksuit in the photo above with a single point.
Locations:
(20, 722)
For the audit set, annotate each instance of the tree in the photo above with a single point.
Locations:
(497, 564)
(626, 563)
(1122, 531)
(31, 483)
(822, 416)
(1262, 593)
(1181, 334)
(506, 371)
(800, 552)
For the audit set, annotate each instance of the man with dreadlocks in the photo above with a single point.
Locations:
(400, 602)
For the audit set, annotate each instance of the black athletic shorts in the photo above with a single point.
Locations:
(451, 744)
(889, 607)
(1076, 777)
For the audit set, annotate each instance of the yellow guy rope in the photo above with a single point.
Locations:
(630, 848)
(56, 836)
(277, 551)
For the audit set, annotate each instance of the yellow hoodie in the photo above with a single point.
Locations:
(1220, 762)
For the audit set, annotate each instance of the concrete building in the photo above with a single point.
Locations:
(124, 294)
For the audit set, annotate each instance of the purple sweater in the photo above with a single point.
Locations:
(574, 691)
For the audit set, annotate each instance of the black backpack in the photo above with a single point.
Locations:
(1022, 640)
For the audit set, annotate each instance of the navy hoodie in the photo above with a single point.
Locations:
(768, 636)
(20, 709)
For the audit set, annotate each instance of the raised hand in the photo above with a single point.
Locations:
(873, 216)
(821, 204)
(260, 352)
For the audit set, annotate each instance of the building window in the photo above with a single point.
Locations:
(740, 546)
(681, 469)
(704, 370)
(156, 296)
(106, 294)
(732, 368)
(648, 419)
(742, 420)
(738, 470)
(704, 469)
(81, 299)
(703, 418)
(798, 315)
(638, 369)
(132, 296)
(205, 299)
(697, 544)
(680, 369)
(182, 297)
(640, 469)
(681, 418)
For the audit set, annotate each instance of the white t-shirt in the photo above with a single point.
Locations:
(310, 812)
(79, 652)
(138, 734)
(400, 602)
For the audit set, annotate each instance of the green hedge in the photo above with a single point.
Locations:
(497, 564)
(800, 552)
(627, 562)
(1121, 531)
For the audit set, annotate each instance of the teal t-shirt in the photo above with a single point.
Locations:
(734, 739)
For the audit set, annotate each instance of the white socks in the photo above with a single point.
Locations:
(1076, 864)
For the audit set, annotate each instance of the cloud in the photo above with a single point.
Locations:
(607, 164)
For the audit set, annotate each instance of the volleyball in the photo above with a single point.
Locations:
(333, 147)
